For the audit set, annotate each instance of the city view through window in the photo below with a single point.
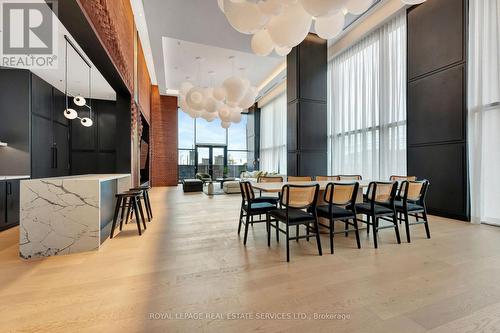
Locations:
(206, 146)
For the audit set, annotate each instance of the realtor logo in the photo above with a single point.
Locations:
(29, 37)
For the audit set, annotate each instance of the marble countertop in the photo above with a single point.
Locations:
(13, 177)
(98, 177)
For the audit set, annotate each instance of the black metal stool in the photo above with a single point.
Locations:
(128, 200)
(145, 190)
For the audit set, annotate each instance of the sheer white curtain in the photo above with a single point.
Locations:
(273, 135)
(367, 105)
(484, 110)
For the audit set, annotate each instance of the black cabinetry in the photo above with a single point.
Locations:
(9, 203)
(50, 131)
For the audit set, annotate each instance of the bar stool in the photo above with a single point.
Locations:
(128, 200)
(145, 190)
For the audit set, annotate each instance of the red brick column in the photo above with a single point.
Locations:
(164, 159)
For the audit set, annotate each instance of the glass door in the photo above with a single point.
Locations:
(211, 160)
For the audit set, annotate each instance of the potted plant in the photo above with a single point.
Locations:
(225, 172)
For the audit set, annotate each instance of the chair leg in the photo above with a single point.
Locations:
(396, 228)
(318, 239)
(268, 225)
(129, 210)
(149, 205)
(142, 214)
(247, 222)
(374, 225)
(277, 231)
(407, 227)
(307, 232)
(426, 224)
(137, 221)
(346, 228)
(367, 224)
(146, 206)
(331, 236)
(124, 203)
(241, 218)
(115, 217)
(287, 244)
(356, 231)
(297, 232)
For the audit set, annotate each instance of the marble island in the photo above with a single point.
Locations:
(64, 215)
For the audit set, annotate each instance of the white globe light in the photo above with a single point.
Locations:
(291, 27)
(271, 7)
(320, 8)
(210, 105)
(225, 124)
(210, 116)
(185, 87)
(358, 7)
(208, 92)
(225, 113)
(87, 122)
(219, 93)
(282, 51)
(236, 116)
(220, 3)
(79, 100)
(249, 98)
(236, 88)
(328, 27)
(195, 98)
(262, 44)
(245, 17)
(70, 114)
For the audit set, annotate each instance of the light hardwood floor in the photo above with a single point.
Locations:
(191, 260)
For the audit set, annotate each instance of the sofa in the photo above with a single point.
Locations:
(204, 177)
(192, 185)
(231, 187)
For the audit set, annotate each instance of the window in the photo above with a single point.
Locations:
(484, 110)
(273, 136)
(200, 132)
(367, 105)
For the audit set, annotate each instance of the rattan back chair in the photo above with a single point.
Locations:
(350, 177)
(299, 208)
(413, 194)
(327, 178)
(299, 178)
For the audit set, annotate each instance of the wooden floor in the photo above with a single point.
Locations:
(191, 263)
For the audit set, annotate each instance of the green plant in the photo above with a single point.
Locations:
(226, 171)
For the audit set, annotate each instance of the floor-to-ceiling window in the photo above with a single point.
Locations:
(206, 146)
(484, 109)
(367, 105)
(273, 135)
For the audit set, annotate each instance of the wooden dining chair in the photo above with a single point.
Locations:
(250, 207)
(412, 203)
(350, 177)
(299, 179)
(394, 178)
(327, 178)
(299, 208)
(341, 206)
(380, 205)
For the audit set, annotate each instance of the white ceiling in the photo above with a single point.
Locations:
(214, 66)
(203, 31)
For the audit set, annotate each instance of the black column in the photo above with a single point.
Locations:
(306, 104)
(437, 106)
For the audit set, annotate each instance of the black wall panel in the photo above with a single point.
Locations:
(15, 121)
(306, 108)
(437, 107)
(435, 36)
(437, 99)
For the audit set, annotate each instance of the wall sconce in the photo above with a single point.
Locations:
(3, 144)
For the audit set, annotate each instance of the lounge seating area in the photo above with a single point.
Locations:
(250, 166)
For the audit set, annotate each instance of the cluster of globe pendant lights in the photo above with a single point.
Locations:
(280, 25)
(71, 114)
(225, 102)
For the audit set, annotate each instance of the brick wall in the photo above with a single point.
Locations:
(163, 137)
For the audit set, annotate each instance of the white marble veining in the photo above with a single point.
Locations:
(62, 215)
